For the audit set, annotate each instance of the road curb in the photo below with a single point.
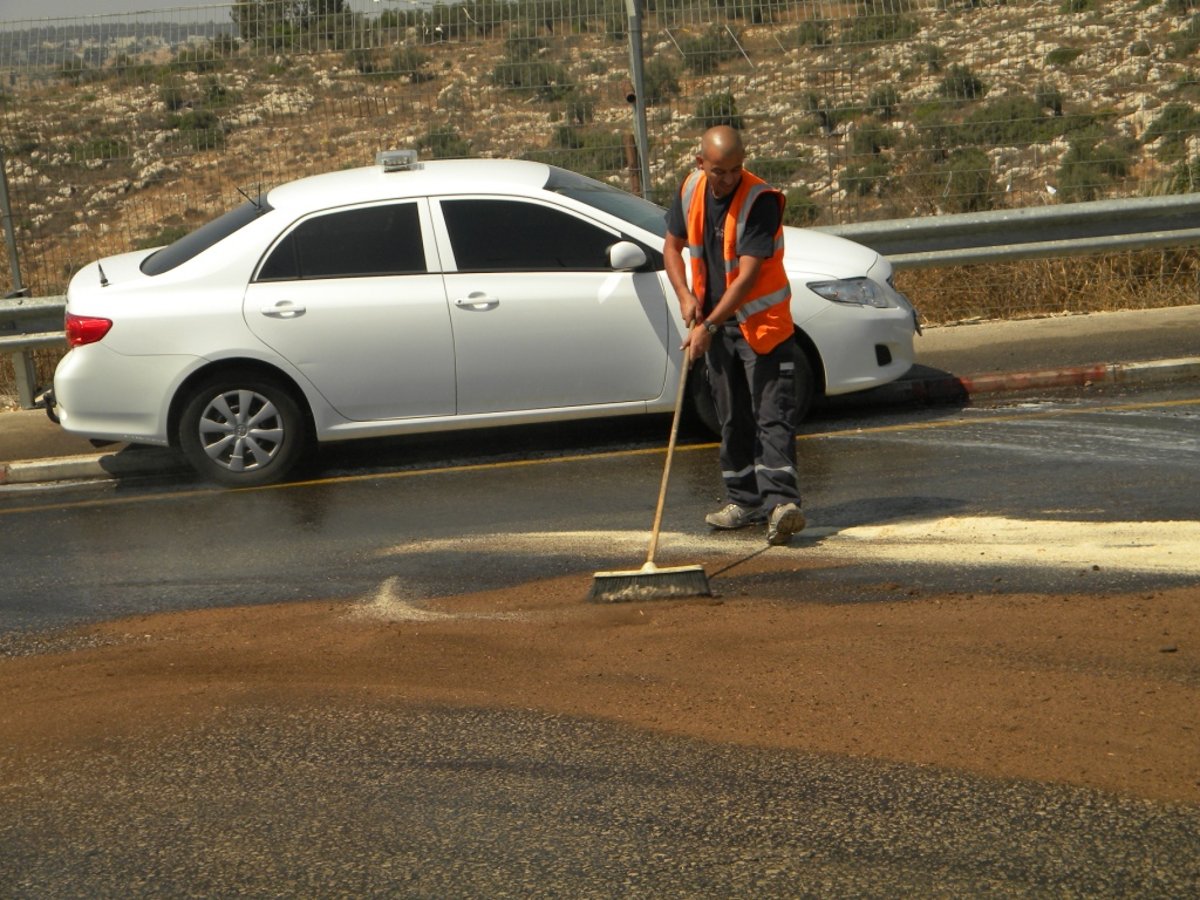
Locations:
(91, 466)
(952, 388)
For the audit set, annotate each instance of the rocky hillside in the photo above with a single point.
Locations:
(886, 108)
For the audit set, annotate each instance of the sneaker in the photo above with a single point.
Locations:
(786, 520)
(734, 516)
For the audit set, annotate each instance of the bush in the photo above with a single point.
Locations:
(872, 28)
(961, 83)
(1088, 168)
(1174, 126)
(871, 139)
(703, 55)
(662, 81)
(717, 109)
(870, 178)
(969, 185)
(814, 33)
(411, 62)
(444, 142)
(883, 100)
(1063, 56)
(1049, 97)
(801, 209)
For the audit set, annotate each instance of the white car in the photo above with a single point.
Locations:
(413, 297)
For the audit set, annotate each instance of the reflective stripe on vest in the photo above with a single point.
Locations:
(765, 315)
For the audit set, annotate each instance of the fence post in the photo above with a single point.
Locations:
(6, 221)
(638, 76)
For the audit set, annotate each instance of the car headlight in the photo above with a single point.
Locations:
(855, 291)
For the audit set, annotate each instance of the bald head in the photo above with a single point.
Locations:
(721, 141)
(721, 156)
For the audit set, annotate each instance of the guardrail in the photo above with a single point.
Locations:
(1064, 229)
(28, 324)
(1046, 231)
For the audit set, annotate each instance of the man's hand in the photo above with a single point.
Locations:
(696, 343)
(689, 308)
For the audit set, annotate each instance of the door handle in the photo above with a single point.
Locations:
(477, 300)
(284, 309)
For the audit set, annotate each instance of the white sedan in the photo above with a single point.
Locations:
(413, 297)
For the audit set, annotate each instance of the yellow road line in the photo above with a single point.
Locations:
(589, 457)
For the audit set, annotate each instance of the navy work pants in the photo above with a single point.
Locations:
(755, 399)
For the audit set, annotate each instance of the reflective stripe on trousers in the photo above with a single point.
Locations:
(755, 398)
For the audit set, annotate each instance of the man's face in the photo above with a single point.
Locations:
(724, 172)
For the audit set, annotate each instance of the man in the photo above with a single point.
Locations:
(739, 318)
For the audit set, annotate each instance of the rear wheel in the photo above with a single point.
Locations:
(706, 411)
(242, 430)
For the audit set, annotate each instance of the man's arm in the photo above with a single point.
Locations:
(699, 340)
(689, 306)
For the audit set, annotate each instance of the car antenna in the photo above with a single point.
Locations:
(257, 202)
(103, 277)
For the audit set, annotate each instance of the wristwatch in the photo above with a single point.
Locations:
(711, 327)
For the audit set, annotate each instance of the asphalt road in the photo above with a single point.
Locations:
(434, 803)
(443, 517)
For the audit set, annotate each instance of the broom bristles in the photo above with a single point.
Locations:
(650, 582)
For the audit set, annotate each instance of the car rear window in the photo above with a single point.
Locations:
(373, 240)
(202, 238)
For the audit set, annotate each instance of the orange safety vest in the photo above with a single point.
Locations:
(765, 317)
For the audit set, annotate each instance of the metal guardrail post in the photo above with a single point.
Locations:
(28, 324)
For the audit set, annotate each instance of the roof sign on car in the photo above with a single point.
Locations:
(396, 160)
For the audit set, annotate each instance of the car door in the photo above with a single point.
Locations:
(352, 298)
(540, 318)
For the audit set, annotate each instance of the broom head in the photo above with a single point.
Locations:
(649, 583)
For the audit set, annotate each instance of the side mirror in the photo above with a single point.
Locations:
(625, 256)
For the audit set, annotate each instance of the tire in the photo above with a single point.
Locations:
(242, 429)
(706, 412)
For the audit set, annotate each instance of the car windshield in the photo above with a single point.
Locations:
(202, 238)
(614, 201)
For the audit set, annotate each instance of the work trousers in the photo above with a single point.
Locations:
(755, 399)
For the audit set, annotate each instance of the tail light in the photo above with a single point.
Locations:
(85, 329)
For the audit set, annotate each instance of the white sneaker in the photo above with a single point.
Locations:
(786, 520)
(734, 516)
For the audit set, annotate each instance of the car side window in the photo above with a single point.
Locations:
(489, 235)
(374, 240)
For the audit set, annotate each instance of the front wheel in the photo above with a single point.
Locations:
(706, 411)
(242, 430)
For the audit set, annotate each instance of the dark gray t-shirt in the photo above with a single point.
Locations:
(757, 240)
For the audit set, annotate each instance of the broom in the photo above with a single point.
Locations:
(650, 581)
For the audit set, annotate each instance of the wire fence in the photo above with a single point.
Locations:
(126, 131)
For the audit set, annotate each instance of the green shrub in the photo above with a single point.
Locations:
(968, 180)
(871, 139)
(168, 235)
(101, 148)
(1088, 168)
(883, 100)
(801, 209)
(960, 83)
(814, 33)
(870, 27)
(1174, 125)
(411, 62)
(1185, 178)
(703, 55)
(444, 142)
(661, 80)
(778, 171)
(1049, 97)
(548, 81)
(870, 178)
(1063, 56)
(717, 109)
(1077, 6)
